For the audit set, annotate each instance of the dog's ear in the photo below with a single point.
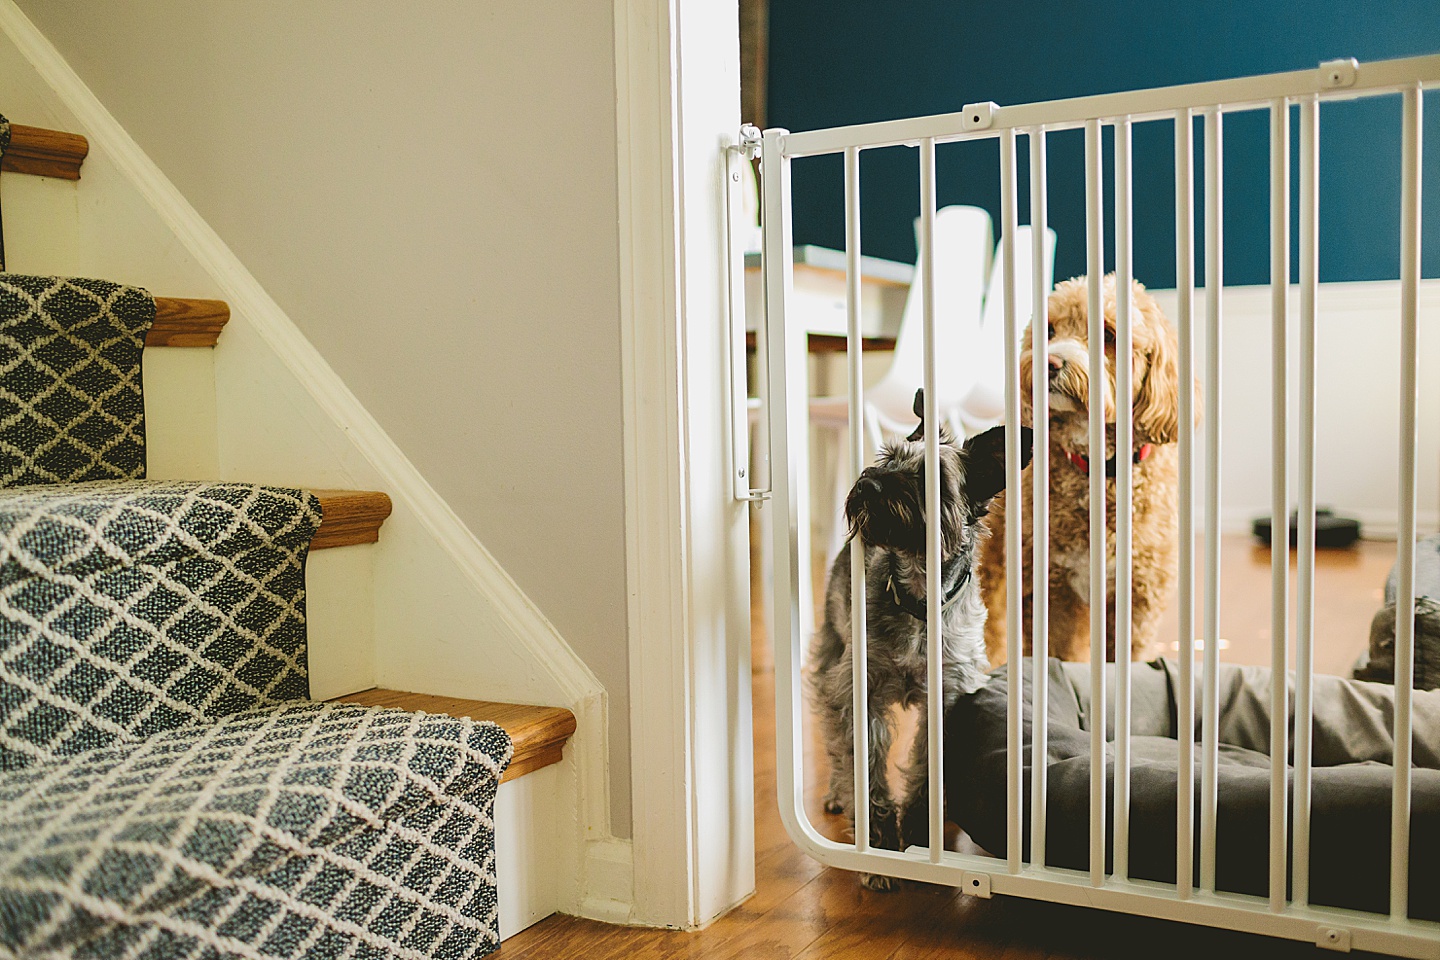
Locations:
(985, 462)
(1157, 404)
(919, 432)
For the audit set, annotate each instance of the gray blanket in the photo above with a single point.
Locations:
(1351, 781)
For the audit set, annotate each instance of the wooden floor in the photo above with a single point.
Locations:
(801, 909)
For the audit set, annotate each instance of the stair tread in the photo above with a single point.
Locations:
(350, 517)
(187, 322)
(44, 153)
(538, 733)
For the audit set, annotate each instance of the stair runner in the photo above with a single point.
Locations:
(167, 788)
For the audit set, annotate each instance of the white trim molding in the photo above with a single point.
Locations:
(677, 85)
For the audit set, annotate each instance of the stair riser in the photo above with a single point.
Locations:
(527, 850)
(41, 225)
(182, 438)
(340, 610)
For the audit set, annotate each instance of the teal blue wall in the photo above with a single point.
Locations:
(851, 61)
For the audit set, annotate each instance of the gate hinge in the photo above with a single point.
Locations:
(750, 138)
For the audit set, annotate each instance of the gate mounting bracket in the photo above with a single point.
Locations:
(750, 138)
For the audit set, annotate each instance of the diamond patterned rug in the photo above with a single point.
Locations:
(310, 830)
(131, 608)
(71, 407)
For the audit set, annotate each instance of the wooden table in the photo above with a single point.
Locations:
(819, 298)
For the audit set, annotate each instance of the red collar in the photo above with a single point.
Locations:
(1083, 463)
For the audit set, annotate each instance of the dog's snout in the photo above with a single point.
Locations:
(1056, 365)
(868, 485)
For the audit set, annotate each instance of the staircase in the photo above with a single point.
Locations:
(199, 695)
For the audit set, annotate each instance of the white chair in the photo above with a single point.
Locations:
(963, 246)
(983, 405)
(970, 344)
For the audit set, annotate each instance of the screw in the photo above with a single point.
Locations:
(735, 177)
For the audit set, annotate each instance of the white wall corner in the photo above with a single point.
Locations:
(677, 89)
(448, 618)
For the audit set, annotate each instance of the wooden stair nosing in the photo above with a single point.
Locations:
(182, 322)
(349, 517)
(538, 733)
(44, 153)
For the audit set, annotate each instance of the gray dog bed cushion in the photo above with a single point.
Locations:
(1351, 780)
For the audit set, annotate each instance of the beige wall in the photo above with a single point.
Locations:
(429, 190)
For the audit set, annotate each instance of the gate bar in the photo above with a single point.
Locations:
(1095, 264)
(1124, 489)
(1405, 564)
(1040, 505)
(1243, 93)
(1015, 659)
(1214, 285)
(859, 650)
(786, 376)
(1305, 496)
(934, 649)
(1279, 502)
(1184, 311)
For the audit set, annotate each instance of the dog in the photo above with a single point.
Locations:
(885, 510)
(1379, 665)
(1154, 462)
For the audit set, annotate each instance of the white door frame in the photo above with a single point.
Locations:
(678, 105)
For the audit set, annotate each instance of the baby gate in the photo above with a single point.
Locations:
(783, 351)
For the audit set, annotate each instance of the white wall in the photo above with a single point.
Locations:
(1357, 431)
(429, 191)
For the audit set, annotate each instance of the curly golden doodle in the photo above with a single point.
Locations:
(1155, 463)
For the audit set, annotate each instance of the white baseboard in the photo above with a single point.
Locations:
(610, 881)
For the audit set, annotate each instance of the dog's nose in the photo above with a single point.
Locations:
(868, 485)
(1056, 364)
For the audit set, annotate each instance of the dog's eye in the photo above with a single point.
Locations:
(1052, 331)
(1109, 337)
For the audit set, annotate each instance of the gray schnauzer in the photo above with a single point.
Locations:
(886, 511)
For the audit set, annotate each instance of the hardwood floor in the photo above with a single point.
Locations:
(803, 910)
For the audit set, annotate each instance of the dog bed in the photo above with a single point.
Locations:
(1351, 778)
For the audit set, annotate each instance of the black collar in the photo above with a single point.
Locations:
(953, 577)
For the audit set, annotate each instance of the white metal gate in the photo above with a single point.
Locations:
(1284, 913)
